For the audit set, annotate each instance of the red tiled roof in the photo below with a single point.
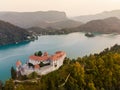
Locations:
(18, 63)
(56, 56)
(38, 58)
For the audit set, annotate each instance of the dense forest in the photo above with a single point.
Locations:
(94, 72)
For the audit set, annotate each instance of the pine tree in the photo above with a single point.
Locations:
(13, 73)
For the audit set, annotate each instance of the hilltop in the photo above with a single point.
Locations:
(41, 19)
(108, 25)
(103, 15)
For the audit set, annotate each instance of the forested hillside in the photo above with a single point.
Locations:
(10, 33)
(94, 72)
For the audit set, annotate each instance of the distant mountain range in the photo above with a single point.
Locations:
(65, 24)
(10, 33)
(52, 22)
(54, 19)
(108, 25)
(103, 15)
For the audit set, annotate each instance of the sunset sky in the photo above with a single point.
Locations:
(71, 7)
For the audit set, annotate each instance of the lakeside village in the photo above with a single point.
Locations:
(41, 64)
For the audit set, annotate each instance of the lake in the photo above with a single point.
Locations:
(74, 44)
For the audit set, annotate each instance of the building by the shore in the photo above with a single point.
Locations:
(41, 64)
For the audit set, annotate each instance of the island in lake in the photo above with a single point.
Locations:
(89, 34)
(11, 31)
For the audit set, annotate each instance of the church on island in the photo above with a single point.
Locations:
(41, 64)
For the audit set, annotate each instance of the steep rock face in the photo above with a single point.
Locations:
(11, 34)
(38, 19)
(103, 15)
(108, 25)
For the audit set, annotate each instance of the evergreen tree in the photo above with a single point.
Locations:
(13, 73)
(39, 53)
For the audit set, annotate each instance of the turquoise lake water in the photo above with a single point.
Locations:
(74, 44)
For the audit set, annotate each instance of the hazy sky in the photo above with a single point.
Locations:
(71, 7)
